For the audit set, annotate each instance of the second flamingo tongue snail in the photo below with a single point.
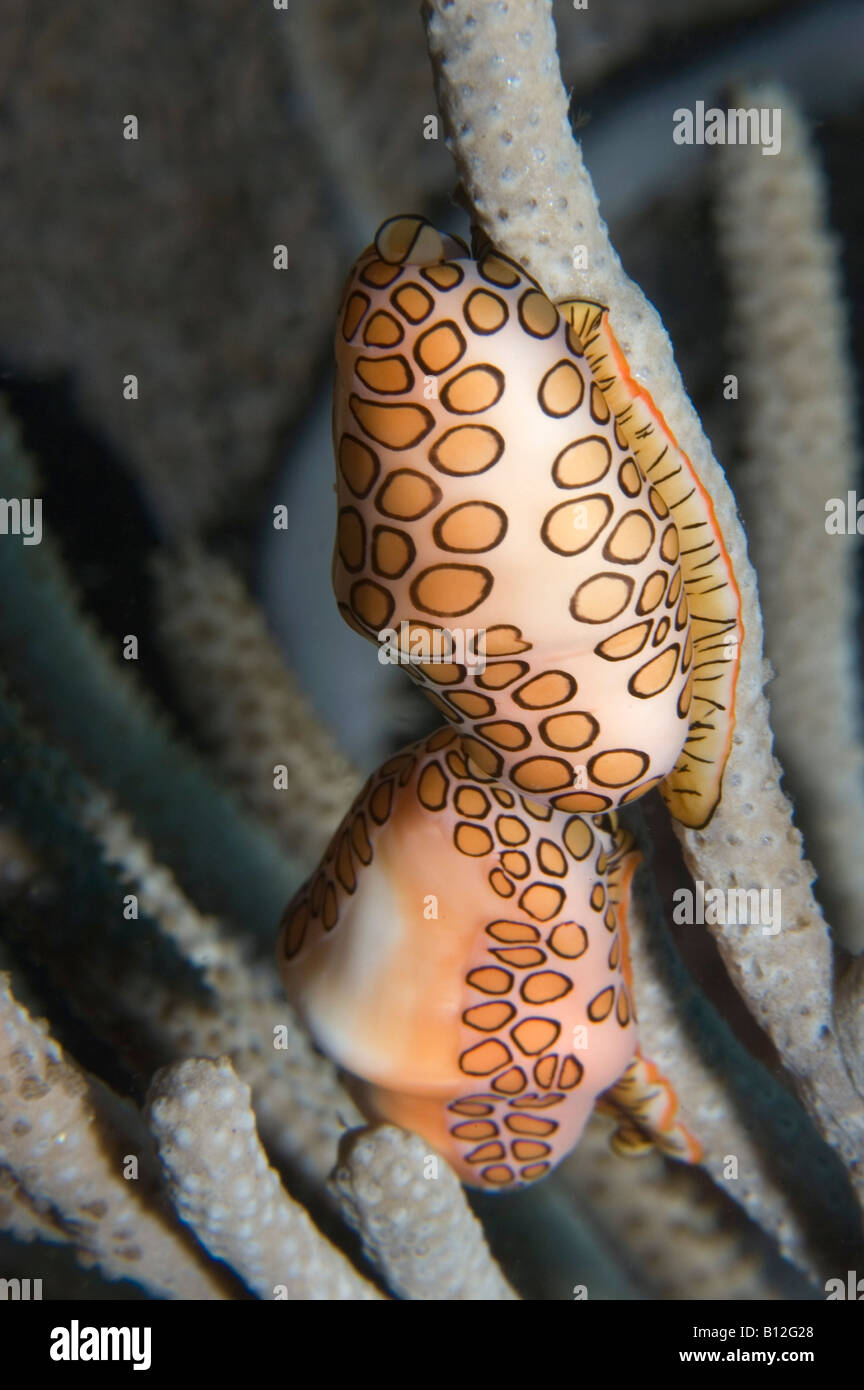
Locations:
(462, 951)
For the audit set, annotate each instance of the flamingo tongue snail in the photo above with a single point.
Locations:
(461, 951)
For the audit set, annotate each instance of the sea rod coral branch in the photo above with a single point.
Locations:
(56, 1140)
(415, 1225)
(225, 1189)
(798, 434)
(506, 112)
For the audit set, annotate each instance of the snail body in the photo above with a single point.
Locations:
(461, 951)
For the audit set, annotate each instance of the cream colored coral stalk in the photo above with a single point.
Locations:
(223, 1186)
(57, 1141)
(796, 400)
(24, 1218)
(414, 1220)
(506, 111)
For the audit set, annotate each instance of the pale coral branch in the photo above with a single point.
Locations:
(56, 1141)
(247, 705)
(797, 402)
(411, 1213)
(225, 1189)
(506, 110)
(23, 1218)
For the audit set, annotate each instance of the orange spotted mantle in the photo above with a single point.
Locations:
(461, 951)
